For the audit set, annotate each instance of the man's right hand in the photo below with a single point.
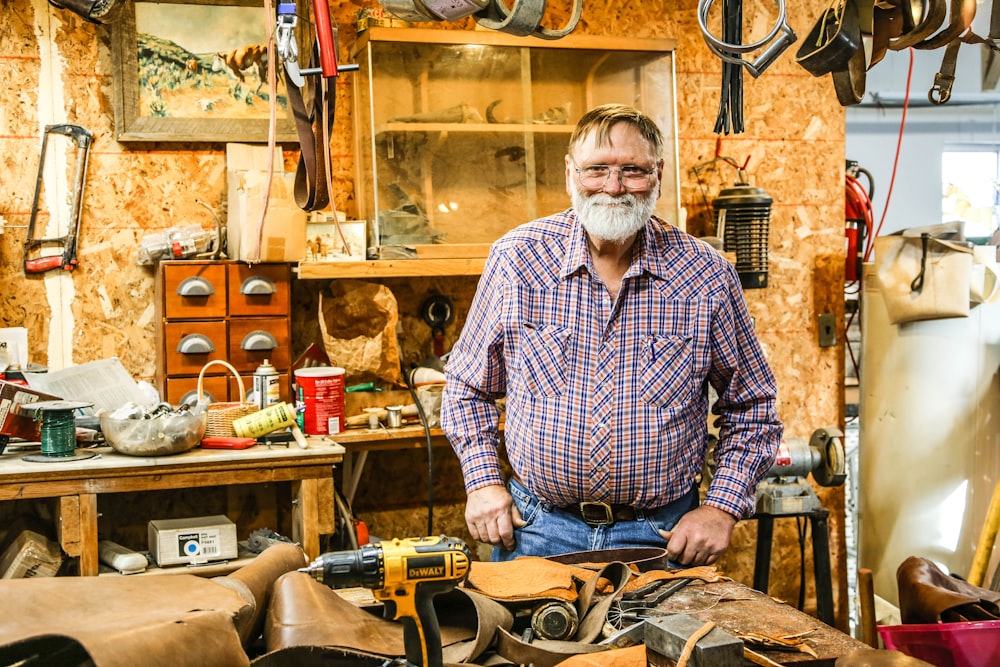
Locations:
(491, 516)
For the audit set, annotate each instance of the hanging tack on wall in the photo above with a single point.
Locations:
(58, 432)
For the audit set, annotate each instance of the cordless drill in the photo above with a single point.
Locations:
(405, 575)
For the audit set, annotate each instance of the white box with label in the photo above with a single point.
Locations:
(194, 540)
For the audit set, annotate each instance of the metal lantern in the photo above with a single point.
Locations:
(742, 220)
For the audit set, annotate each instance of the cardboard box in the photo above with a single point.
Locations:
(284, 234)
(199, 539)
(31, 554)
(13, 424)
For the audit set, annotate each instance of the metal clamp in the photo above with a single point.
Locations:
(770, 54)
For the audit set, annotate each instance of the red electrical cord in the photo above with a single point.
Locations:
(855, 192)
(869, 246)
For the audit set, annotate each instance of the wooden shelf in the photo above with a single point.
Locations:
(496, 128)
(392, 268)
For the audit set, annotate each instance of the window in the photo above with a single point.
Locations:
(969, 180)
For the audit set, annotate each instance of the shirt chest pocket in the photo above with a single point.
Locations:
(542, 354)
(667, 370)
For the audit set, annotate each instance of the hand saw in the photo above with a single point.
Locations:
(67, 260)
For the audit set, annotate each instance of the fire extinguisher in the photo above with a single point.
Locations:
(859, 217)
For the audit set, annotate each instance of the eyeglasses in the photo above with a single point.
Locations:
(596, 176)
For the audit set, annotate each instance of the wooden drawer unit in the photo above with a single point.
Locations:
(220, 310)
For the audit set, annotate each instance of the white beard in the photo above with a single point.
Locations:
(613, 219)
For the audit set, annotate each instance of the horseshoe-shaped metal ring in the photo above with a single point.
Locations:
(703, 8)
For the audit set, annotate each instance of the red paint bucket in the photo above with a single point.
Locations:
(320, 389)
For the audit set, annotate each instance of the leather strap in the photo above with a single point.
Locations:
(522, 20)
(525, 18)
(309, 111)
(934, 13)
(849, 83)
(887, 23)
(961, 13)
(542, 652)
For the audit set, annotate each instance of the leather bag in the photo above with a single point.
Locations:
(923, 277)
(928, 595)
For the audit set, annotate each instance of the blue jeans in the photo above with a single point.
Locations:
(550, 531)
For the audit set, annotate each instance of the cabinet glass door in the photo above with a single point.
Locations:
(459, 142)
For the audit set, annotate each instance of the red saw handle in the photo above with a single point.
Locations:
(43, 264)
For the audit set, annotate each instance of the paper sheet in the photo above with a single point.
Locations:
(105, 383)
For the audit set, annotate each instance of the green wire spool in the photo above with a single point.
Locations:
(58, 430)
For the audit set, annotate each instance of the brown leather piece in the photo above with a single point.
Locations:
(928, 595)
(877, 658)
(304, 612)
(541, 652)
(527, 578)
(639, 558)
(706, 573)
(153, 621)
(254, 582)
(633, 656)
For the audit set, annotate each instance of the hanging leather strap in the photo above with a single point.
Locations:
(934, 13)
(310, 110)
(525, 18)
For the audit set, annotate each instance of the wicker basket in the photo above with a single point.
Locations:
(222, 415)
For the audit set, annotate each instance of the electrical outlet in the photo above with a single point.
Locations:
(827, 330)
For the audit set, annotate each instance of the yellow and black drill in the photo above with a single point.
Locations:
(405, 575)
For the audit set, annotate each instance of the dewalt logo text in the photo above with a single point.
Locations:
(425, 572)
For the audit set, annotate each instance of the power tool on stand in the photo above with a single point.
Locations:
(785, 489)
(405, 575)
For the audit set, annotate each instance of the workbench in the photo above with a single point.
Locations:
(78, 484)
(358, 442)
(739, 610)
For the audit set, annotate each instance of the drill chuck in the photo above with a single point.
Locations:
(343, 569)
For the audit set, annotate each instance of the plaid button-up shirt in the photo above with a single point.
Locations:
(609, 400)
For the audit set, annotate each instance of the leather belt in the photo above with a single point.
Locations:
(313, 113)
(602, 514)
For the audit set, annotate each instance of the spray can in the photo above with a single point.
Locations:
(274, 417)
(265, 385)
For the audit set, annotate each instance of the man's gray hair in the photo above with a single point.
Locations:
(604, 117)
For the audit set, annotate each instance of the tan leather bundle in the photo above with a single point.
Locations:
(928, 595)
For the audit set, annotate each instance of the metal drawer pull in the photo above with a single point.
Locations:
(195, 344)
(191, 398)
(258, 285)
(195, 286)
(258, 340)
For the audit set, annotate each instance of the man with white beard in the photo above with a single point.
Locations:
(604, 327)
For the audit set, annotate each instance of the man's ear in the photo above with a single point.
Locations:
(569, 175)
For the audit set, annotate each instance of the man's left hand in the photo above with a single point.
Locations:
(700, 537)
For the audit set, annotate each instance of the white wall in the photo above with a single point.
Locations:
(971, 116)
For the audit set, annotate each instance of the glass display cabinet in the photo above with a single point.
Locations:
(461, 135)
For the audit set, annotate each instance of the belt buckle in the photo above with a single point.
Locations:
(596, 513)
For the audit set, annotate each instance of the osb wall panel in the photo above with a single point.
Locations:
(793, 144)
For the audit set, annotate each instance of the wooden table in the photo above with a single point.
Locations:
(739, 609)
(77, 485)
(358, 442)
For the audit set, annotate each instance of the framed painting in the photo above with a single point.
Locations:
(197, 72)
